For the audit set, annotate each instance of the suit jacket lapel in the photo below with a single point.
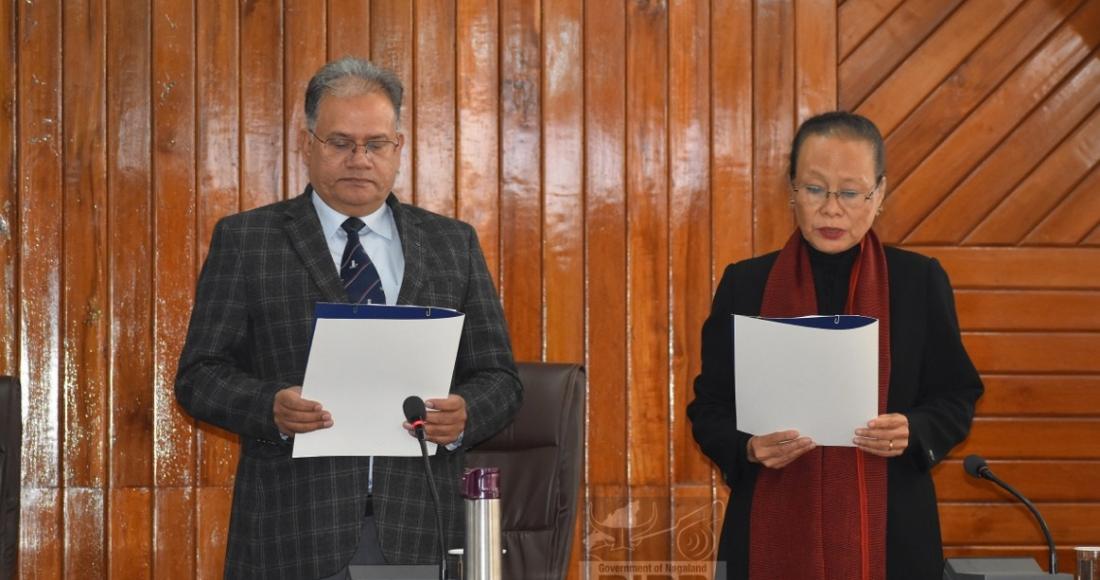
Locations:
(412, 246)
(304, 230)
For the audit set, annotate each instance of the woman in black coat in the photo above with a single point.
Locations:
(869, 512)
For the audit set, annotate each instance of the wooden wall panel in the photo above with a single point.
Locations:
(85, 252)
(987, 164)
(605, 242)
(434, 105)
(774, 120)
(689, 152)
(520, 173)
(174, 250)
(86, 295)
(264, 142)
(887, 47)
(217, 166)
(305, 28)
(973, 80)
(392, 39)
(647, 280)
(858, 19)
(918, 193)
(129, 247)
(352, 36)
(477, 125)
(614, 157)
(9, 184)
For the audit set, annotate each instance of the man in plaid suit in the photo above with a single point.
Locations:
(246, 349)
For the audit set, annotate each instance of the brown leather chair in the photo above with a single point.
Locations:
(540, 457)
(11, 442)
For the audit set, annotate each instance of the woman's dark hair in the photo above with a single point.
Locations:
(841, 124)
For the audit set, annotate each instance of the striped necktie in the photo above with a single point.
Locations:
(360, 277)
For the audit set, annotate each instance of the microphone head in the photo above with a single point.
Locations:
(975, 466)
(414, 409)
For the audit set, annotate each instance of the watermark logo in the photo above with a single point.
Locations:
(625, 536)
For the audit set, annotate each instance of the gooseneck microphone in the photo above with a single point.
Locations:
(415, 412)
(976, 466)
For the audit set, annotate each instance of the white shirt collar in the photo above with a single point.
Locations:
(380, 221)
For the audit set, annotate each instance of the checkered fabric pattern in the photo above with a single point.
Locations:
(249, 337)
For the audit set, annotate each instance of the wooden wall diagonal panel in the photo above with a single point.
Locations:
(932, 61)
(1044, 189)
(887, 46)
(1074, 218)
(613, 157)
(1012, 160)
(975, 78)
(858, 18)
(949, 163)
(1093, 239)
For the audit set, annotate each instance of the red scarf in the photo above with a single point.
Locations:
(823, 517)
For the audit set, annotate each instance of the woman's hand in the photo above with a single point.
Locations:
(776, 450)
(885, 435)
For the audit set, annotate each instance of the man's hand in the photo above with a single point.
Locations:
(445, 421)
(885, 435)
(293, 414)
(777, 450)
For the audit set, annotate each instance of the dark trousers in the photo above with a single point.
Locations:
(368, 553)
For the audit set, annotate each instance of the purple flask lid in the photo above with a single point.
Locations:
(481, 483)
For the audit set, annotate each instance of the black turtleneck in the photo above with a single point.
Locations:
(831, 273)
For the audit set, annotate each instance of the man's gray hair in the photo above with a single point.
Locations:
(355, 76)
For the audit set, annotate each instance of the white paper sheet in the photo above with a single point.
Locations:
(821, 381)
(362, 369)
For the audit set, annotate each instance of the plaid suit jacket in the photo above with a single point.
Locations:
(249, 338)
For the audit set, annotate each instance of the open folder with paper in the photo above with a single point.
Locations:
(363, 362)
(816, 374)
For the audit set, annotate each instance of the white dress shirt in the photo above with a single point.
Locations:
(379, 238)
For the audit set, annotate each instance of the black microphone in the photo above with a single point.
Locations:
(415, 412)
(976, 466)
